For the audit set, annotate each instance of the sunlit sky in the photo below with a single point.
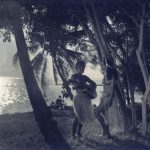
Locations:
(7, 51)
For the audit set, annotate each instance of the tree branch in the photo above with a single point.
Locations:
(131, 18)
(101, 48)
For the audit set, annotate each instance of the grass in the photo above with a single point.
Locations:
(20, 132)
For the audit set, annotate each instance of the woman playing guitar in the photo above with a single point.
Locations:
(82, 106)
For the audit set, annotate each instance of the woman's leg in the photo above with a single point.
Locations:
(79, 129)
(100, 109)
(77, 126)
(74, 126)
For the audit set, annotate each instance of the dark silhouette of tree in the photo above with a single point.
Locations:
(42, 113)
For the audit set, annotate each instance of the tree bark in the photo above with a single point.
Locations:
(92, 39)
(140, 47)
(144, 107)
(100, 33)
(122, 105)
(133, 110)
(144, 73)
(101, 48)
(63, 79)
(42, 113)
(104, 52)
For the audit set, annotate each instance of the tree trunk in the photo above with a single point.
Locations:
(122, 105)
(35, 95)
(100, 33)
(144, 73)
(104, 52)
(133, 110)
(127, 89)
(55, 73)
(42, 113)
(92, 39)
(63, 79)
(101, 48)
(144, 107)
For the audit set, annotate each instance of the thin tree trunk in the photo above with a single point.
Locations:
(43, 77)
(128, 86)
(38, 69)
(55, 73)
(63, 79)
(127, 89)
(101, 48)
(130, 17)
(42, 113)
(140, 48)
(143, 69)
(92, 39)
(144, 62)
(133, 110)
(144, 107)
(105, 54)
(100, 33)
(121, 100)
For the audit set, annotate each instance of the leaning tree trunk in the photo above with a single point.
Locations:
(42, 113)
(100, 50)
(133, 109)
(103, 51)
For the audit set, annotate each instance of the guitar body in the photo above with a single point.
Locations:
(90, 92)
(81, 82)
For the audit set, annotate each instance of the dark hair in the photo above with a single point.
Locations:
(80, 64)
(110, 70)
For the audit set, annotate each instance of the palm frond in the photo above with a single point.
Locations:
(43, 83)
(69, 59)
(55, 72)
(38, 61)
(63, 67)
(63, 72)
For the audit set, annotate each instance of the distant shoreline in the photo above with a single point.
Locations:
(11, 77)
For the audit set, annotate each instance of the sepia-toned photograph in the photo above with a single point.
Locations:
(74, 75)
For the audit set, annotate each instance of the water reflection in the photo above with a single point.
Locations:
(12, 90)
(14, 97)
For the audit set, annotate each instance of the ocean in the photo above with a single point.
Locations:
(14, 97)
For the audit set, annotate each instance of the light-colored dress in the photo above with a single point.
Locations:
(82, 105)
(83, 108)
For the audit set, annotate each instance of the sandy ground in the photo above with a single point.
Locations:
(20, 132)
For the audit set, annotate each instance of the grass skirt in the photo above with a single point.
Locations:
(83, 108)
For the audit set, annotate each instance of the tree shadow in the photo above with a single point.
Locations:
(117, 144)
(129, 144)
(24, 122)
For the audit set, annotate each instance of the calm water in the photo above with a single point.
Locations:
(12, 91)
(14, 97)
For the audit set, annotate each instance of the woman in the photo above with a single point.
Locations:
(107, 96)
(82, 106)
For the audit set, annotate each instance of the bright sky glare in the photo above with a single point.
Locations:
(7, 51)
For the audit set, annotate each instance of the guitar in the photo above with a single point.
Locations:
(90, 92)
(84, 86)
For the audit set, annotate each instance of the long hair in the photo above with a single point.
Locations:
(110, 70)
